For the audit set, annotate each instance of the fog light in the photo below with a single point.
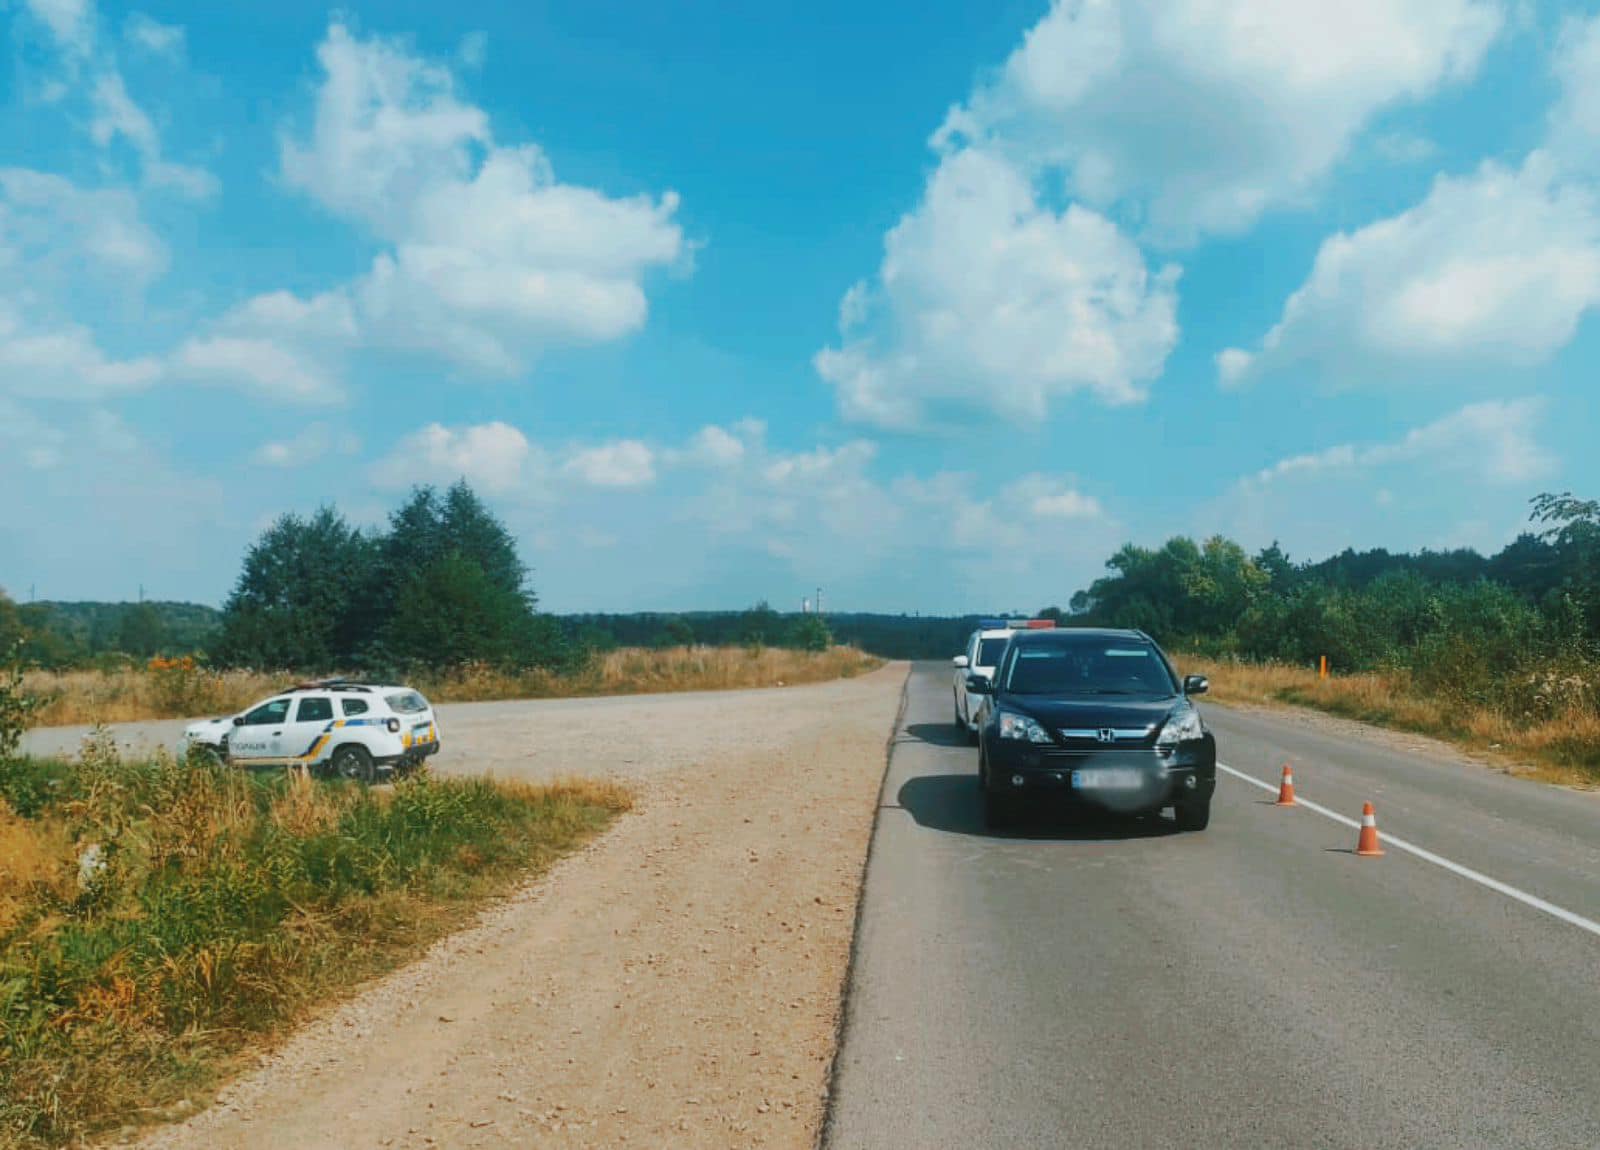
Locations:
(1016, 780)
(1189, 782)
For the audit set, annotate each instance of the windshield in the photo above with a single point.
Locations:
(1098, 668)
(406, 703)
(990, 650)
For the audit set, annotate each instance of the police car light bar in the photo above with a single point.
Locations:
(1016, 624)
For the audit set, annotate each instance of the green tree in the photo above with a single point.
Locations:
(810, 633)
(677, 633)
(295, 604)
(141, 631)
(452, 611)
(11, 628)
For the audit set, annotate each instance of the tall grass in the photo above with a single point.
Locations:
(179, 690)
(1546, 718)
(160, 919)
(640, 670)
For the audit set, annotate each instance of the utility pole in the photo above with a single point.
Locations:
(141, 592)
(819, 600)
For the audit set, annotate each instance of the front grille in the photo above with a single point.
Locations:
(1104, 756)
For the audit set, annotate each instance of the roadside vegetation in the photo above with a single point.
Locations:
(160, 921)
(1497, 653)
(184, 688)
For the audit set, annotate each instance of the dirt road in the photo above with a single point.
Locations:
(676, 984)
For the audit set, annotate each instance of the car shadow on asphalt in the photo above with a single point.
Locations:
(952, 803)
(938, 734)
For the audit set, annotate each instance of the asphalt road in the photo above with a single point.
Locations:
(1254, 985)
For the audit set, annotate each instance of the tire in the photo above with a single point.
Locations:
(955, 707)
(1193, 815)
(998, 813)
(353, 762)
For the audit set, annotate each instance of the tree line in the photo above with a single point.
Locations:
(1498, 629)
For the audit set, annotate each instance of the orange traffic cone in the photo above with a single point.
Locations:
(1286, 788)
(1367, 844)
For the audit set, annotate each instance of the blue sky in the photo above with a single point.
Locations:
(932, 305)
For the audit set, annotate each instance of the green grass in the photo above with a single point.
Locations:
(227, 907)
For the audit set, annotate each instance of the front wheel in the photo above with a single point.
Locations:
(354, 763)
(1193, 815)
(998, 811)
(955, 707)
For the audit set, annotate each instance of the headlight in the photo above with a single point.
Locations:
(1183, 727)
(1015, 726)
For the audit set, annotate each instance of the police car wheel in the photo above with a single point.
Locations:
(352, 762)
(961, 724)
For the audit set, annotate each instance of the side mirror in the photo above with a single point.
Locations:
(960, 661)
(1196, 684)
(238, 720)
(978, 685)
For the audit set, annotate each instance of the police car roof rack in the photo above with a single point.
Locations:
(336, 683)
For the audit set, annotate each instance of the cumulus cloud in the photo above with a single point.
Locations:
(64, 362)
(1493, 268)
(489, 258)
(989, 299)
(1205, 113)
(622, 464)
(494, 457)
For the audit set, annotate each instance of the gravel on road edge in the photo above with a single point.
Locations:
(677, 982)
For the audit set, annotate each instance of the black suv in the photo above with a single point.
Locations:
(1097, 719)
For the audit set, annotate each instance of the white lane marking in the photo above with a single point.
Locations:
(1465, 872)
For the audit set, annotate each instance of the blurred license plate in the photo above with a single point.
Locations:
(1105, 778)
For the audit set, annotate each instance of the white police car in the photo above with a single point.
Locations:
(336, 727)
(984, 648)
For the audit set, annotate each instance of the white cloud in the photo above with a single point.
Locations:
(64, 362)
(1205, 113)
(152, 36)
(494, 457)
(53, 230)
(988, 300)
(717, 447)
(1485, 456)
(113, 114)
(491, 258)
(312, 444)
(1494, 268)
(71, 22)
(625, 463)
(265, 368)
(1494, 441)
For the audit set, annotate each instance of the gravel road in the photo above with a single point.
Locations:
(676, 984)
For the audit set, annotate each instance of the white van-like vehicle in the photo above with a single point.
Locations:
(334, 727)
(982, 655)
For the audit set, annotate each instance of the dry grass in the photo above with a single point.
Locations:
(72, 697)
(1563, 747)
(178, 692)
(218, 909)
(633, 671)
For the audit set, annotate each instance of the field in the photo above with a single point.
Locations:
(161, 921)
(1560, 742)
(176, 689)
